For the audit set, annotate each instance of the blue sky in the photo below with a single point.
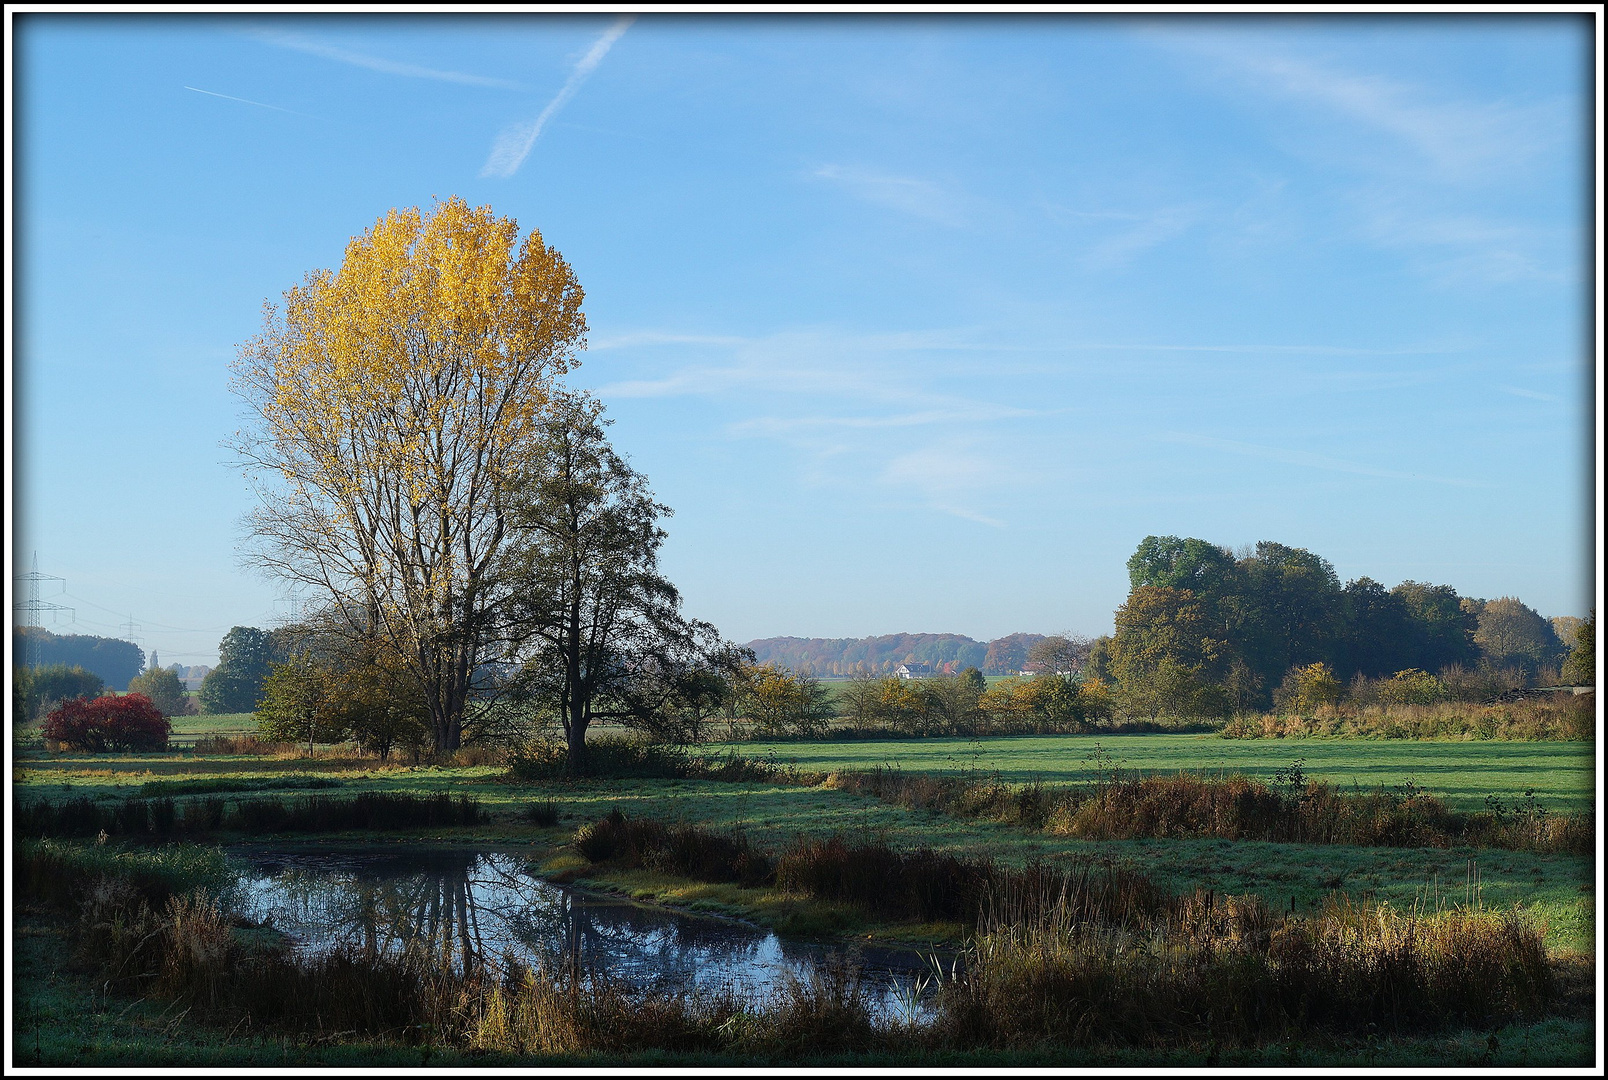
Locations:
(920, 324)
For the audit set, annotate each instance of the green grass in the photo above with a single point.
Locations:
(1555, 887)
(1562, 774)
(188, 728)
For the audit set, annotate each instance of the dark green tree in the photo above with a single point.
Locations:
(1377, 631)
(1581, 667)
(1291, 610)
(245, 656)
(605, 636)
(1171, 562)
(1442, 629)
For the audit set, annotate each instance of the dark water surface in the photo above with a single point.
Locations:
(484, 906)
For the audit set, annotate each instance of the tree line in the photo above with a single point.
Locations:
(111, 660)
(1205, 632)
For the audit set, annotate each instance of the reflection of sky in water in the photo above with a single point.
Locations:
(485, 905)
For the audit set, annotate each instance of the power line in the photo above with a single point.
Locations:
(153, 625)
(35, 606)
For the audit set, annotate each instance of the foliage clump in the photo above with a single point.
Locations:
(110, 723)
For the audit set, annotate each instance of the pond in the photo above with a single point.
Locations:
(479, 906)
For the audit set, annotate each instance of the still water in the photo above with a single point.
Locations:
(476, 907)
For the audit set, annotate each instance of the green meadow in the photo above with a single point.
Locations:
(1562, 774)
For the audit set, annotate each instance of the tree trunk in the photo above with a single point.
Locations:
(575, 739)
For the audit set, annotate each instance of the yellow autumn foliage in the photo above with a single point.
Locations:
(400, 399)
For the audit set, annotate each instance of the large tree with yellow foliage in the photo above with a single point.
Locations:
(397, 402)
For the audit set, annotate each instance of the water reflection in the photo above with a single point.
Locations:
(471, 908)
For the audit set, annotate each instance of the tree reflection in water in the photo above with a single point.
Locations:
(466, 909)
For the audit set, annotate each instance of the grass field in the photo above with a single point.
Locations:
(1558, 890)
(1562, 774)
(1557, 887)
(186, 729)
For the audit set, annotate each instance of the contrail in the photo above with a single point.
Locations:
(513, 146)
(373, 63)
(247, 101)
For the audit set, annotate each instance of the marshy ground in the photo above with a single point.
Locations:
(1552, 889)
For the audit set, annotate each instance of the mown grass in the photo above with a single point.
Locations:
(1562, 774)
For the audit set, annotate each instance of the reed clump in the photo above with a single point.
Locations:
(680, 849)
(1294, 809)
(242, 744)
(1556, 716)
(165, 818)
(214, 785)
(883, 881)
(1227, 971)
(620, 758)
(542, 813)
(558, 1009)
(1312, 812)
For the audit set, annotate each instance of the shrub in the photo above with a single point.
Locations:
(1412, 687)
(44, 686)
(1308, 689)
(108, 723)
(165, 689)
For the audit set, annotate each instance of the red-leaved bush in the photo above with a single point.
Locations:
(129, 722)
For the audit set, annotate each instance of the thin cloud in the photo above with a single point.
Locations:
(1459, 137)
(1147, 232)
(1535, 394)
(247, 101)
(286, 40)
(515, 142)
(1311, 461)
(945, 475)
(910, 195)
(771, 425)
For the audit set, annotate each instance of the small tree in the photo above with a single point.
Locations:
(1581, 667)
(62, 682)
(125, 723)
(783, 702)
(604, 631)
(857, 699)
(163, 687)
(1309, 688)
(951, 701)
(300, 702)
(1412, 687)
(1059, 654)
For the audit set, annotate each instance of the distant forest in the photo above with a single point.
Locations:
(116, 662)
(947, 653)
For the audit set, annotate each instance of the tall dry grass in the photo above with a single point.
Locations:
(1086, 958)
(167, 818)
(1230, 971)
(1560, 716)
(1121, 806)
(681, 849)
